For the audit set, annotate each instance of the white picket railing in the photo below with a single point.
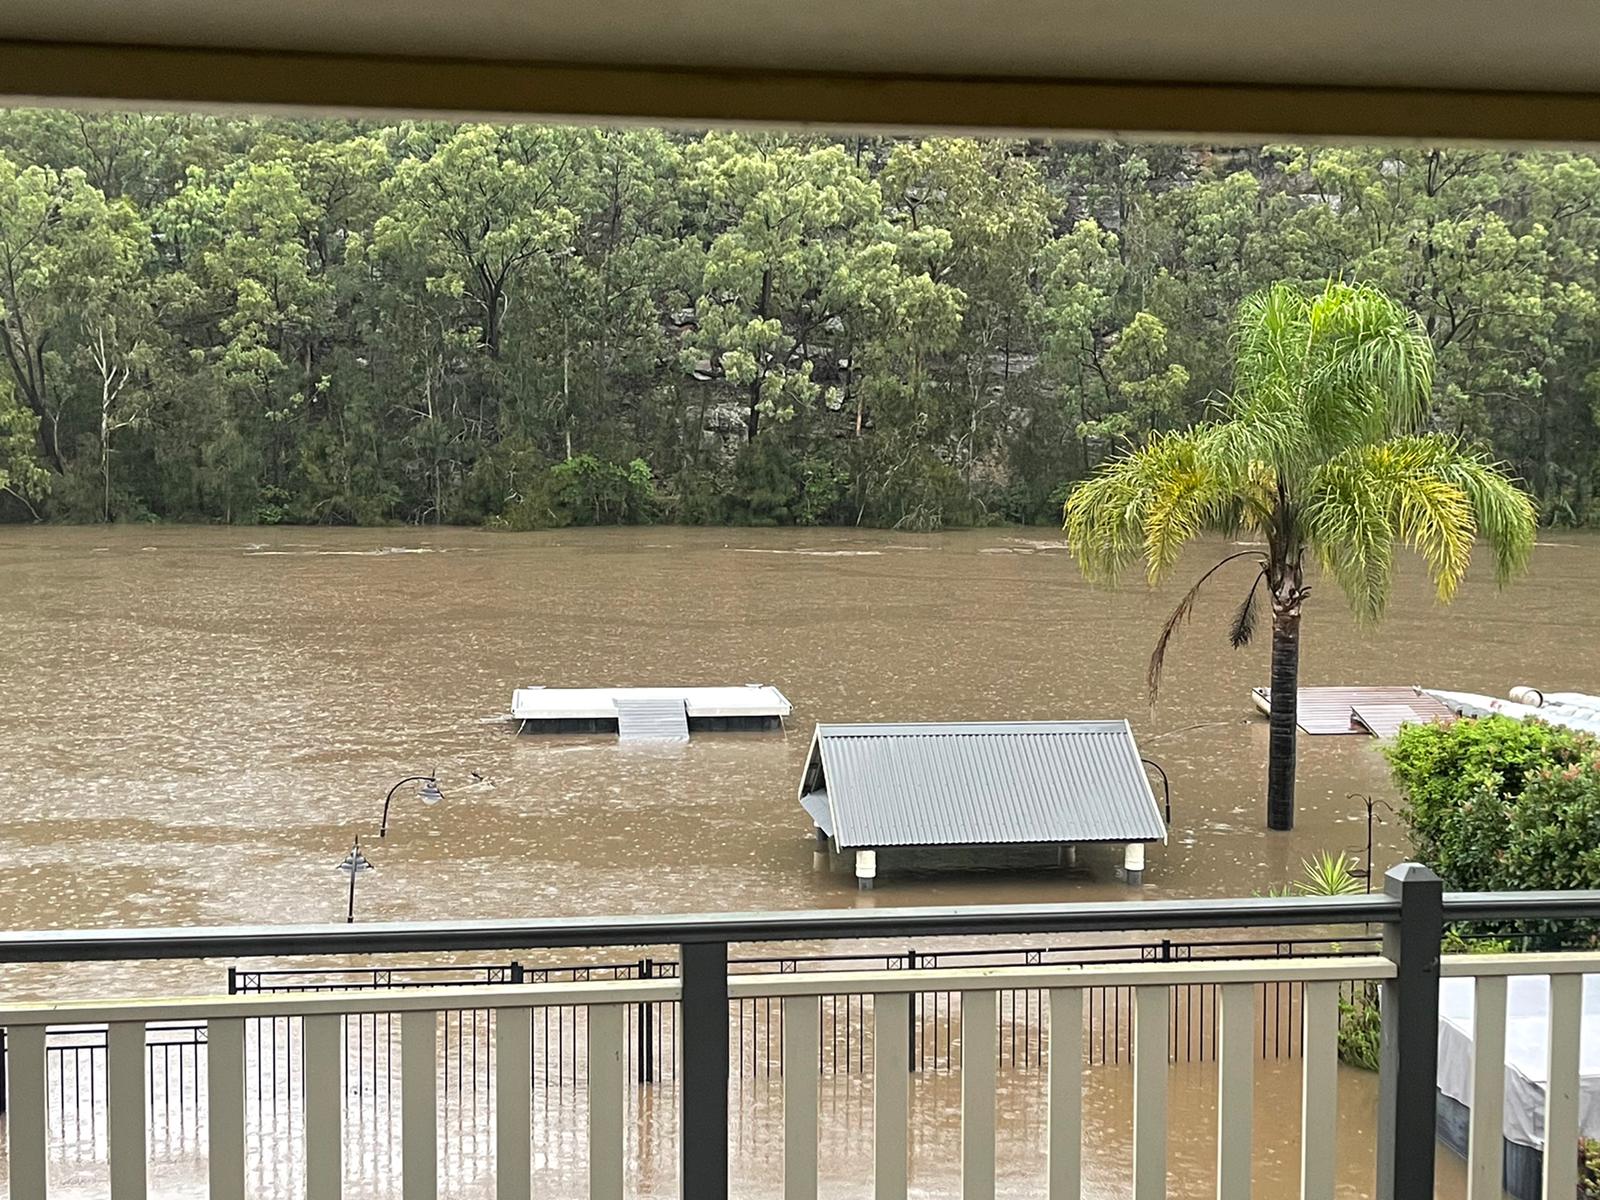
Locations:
(1485, 1147)
(322, 1054)
(227, 1017)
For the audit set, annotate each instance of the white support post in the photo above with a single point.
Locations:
(1150, 1092)
(322, 1054)
(802, 1036)
(1133, 863)
(419, 1106)
(866, 869)
(225, 1107)
(1319, 1105)
(1236, 1083)
(125, 1141)
(980, 1048)
(606, 1102)
(26, 1080)
(1066, 1094)
(1561, 1088)
(891, 1086)
(1486, 1132)
(513, 1103)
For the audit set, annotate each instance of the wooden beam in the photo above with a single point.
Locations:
(163, 77)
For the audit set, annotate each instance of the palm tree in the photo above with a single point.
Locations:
(1319, 448)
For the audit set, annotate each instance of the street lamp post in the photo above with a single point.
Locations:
(428, 793)
(355, 863)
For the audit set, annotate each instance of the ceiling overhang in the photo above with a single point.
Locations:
(1373, 69)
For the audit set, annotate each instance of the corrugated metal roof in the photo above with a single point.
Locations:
(984, 783)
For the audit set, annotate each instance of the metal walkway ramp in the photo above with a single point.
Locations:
(652, 720)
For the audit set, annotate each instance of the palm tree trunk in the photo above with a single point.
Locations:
(1285, 714)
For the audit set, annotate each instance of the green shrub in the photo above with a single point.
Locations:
(595, 492)
(1360, 1028)
(586, 490)
(1588, 1169)
(1503, 805)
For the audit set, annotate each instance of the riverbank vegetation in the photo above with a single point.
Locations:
(268, 320)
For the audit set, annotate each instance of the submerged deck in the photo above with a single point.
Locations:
(1379, 711)
(641, 711)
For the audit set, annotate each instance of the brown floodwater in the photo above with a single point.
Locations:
(196, 722)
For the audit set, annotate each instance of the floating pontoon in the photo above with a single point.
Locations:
(649, 713)
(1379, 711)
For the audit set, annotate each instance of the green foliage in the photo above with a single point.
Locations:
(1588, 1169)
(1324, 874)
(1499, 804)
(21, 473)
(593, 492)
(1502, 805)
(587, 491)
(1360, 1028)
(1315, 450)
(1327, 874)
(334, 321)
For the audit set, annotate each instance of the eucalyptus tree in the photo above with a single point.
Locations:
(1319, 452)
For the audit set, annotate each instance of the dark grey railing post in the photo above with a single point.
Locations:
(913, 1024)
(703, 1128)
(1409, 1054)
(644, 1025)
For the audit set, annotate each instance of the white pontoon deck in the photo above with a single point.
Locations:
(641, 713)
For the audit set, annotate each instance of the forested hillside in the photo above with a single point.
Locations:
(266, 320)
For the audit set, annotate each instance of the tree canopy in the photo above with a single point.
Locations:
(208, 318)
(1320, 448)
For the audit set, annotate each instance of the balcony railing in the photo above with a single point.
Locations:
(1412, 913)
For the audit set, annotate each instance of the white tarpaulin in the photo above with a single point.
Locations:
(1527, 1048)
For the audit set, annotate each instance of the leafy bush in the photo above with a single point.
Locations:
(586, 490)
(1501, 805)
(1360, 1028)
(272, 507)
(1588, 1169)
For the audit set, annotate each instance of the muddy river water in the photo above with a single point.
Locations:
(195, 723)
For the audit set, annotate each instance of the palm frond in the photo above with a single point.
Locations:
(1317, 375)
(1149, 502)
(1427, 492)
(1346, 518)
(1244, 618)
(1180, 614)
(1505, 514)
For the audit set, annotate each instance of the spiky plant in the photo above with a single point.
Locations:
(1327, 874)
(1319, 450)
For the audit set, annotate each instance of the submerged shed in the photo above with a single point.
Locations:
(871, 787)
